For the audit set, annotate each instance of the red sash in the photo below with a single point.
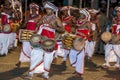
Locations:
(4, 19)
(31, 25)
(83, 33)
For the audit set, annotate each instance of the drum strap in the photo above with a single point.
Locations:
(80, 51)
(115, 52)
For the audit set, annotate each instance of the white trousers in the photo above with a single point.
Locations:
(48, 58)
(80, 62)
(5, 43)
(90, 48)
(25, 52)
(110, 55)
(12, 38)
(77, 60)
(36, 61)
(117, 53)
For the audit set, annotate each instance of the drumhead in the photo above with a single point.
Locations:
(35, 40)
(106, 37)
(48, 44)
(6, 28)
(79, 44)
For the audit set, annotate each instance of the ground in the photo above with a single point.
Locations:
(92, 71)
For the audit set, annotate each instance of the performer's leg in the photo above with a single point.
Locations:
(48, 58)
(80, 62)
(65, 55)
(73, 57)
(108, 48)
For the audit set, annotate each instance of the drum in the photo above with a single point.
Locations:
(115, 39)
(6, 28)
(67, 41)
(48, 45)
(78, 43)
(35, 40)
(106, 37)
(14, 27)
(24, 35)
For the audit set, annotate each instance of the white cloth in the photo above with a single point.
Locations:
(117, 53)
(48, 58)
(90, 48)
(80, 62)
(77, 60)
(1, 42)
(12, 38)
(108, 49)
(25, 52)
(36, 61)
(60, 51)
(5, 43)
(73, 57)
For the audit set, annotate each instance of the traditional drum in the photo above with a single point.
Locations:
(115, 39)
(67, 41)
(78, 43)
(106, 37)
(24, 35)
(14, 27)
(35, 40)
(48, 45)
(6, 28)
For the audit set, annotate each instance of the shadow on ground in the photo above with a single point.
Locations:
(16, 72)
(74, 78)
(91, 66)
(58, 68)
(114, 74)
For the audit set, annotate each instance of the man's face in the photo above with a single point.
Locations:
(118, 13)
(82, 16)
(49, 11)
(33, 10)
(65, 12)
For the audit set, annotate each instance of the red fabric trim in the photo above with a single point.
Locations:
(115, 52)
(46, 69)
(25, 54)
(65, 19)
(36, 66)
(73, 63)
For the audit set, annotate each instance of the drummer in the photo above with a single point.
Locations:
(77, 57)
(93, 32)
(30, 25)
(115, 29)
(49, 24)
(117, 46)
(68, 21)
(6, 13)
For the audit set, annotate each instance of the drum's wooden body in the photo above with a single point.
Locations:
(24, 35)
(67, 41)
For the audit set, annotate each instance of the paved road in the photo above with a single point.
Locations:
(93, 71)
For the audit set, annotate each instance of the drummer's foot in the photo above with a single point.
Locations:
(54, 60)
(63, 63)
(18, 64)
(105, 66)
(117, 66)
